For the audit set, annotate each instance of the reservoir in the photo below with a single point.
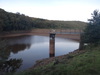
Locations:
(26, 50)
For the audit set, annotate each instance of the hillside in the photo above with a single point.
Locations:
(16, 22)
(70, 24)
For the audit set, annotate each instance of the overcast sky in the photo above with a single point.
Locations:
(79, 10)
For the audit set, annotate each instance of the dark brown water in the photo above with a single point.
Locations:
(23, 51)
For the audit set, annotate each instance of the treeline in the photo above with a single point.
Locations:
(16, 21)
(11, 21)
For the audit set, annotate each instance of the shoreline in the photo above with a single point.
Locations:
(68, 36)
(57, 59)
(41, 32)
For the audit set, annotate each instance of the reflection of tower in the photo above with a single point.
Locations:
(52, 45)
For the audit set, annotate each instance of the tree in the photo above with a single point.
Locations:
(92, 31)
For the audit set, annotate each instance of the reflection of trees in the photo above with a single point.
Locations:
(6, 65)
(4, 54)
(18, 47)
(10, 65)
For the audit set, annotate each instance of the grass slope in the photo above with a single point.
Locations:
(84, 63)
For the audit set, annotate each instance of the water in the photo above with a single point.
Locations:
(25, 50)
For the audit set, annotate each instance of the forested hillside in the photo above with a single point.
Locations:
(16, 21)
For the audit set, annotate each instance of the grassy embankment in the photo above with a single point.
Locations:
(85, 62)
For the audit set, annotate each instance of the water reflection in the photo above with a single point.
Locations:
(52, 48)
(10, 65)
(4, 54)
(18, 47)
(6, 64)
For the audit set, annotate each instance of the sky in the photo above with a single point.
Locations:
(66, 10)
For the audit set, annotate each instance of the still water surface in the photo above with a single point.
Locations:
(32, 48)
